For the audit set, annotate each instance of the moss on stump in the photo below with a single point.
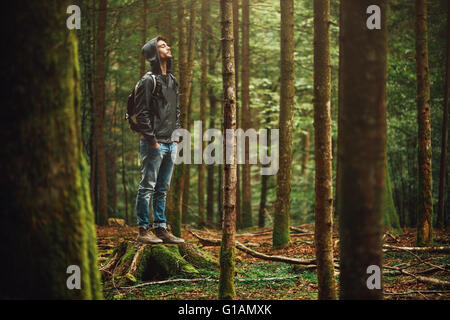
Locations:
(132, 262)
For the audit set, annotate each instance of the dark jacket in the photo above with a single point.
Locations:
(157, 113)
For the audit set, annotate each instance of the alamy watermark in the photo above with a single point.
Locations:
(74, 280)
(213, 153)
(374, 280)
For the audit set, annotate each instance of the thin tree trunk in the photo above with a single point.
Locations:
(305, 156)
(391, 221)
(362, 153)
(124, 180)
(47, 219)
(187, 172)
(443, 167)
(239, 218)
(143, 35)
(340, 108)
(212, 114)
(112, 179)
(227, 249)
(174, 212)
(246, 206)
(190, 72)
(203, 102)
(281, 235)
(425, 205)
(323, 154)
(99, 105)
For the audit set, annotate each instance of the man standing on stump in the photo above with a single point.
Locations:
(157, 116)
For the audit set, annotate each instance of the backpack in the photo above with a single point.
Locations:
(131, 104)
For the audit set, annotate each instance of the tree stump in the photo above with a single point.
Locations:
(132, 262)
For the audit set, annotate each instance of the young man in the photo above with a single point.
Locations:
(157, 115)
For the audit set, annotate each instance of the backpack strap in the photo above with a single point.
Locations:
(154, 82)
(174, 80)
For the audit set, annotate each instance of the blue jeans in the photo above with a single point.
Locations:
(156, 167)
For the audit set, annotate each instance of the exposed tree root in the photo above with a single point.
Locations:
(216, 242)
(442, 249)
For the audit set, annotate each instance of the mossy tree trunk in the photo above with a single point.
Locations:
(47, 219)
(443, 165)
(132, 262)
(362, 150)
(227, 249)
(391, 220)
(323, 154)
(281, 236)
(425, 199)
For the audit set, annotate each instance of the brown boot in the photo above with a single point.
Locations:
(165, 236)
(146, 236)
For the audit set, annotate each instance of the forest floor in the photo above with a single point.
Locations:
(258, 279)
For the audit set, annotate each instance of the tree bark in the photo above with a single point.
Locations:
(323, 154)
(305, 156)
(203, 102)
(239, 218)
(143, 35)
(340, 108)
(98, 123)
(362, 149)
(212, 114)
(174, 208)
(246, 206)
(281, 236)
(425, 198)
(190, 73)
(227, 249)
(391, 221)
(443, 167)
(47, 218)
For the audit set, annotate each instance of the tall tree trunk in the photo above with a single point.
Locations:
(143, 35)
(174, 208)
(124, 179)
(443, 167)
(264, 181)
(190, 72)
(203, 102)
(99, 105)
(362, 153)
(239, 218)
(323, 155)
(281, 235)
(246, 206)
(337, 197)
(212, 115)
(425, 205)
(166, 23)
(227, 249)
(187, 171)
(47, 219)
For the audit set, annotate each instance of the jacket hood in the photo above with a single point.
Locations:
(150, 52)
